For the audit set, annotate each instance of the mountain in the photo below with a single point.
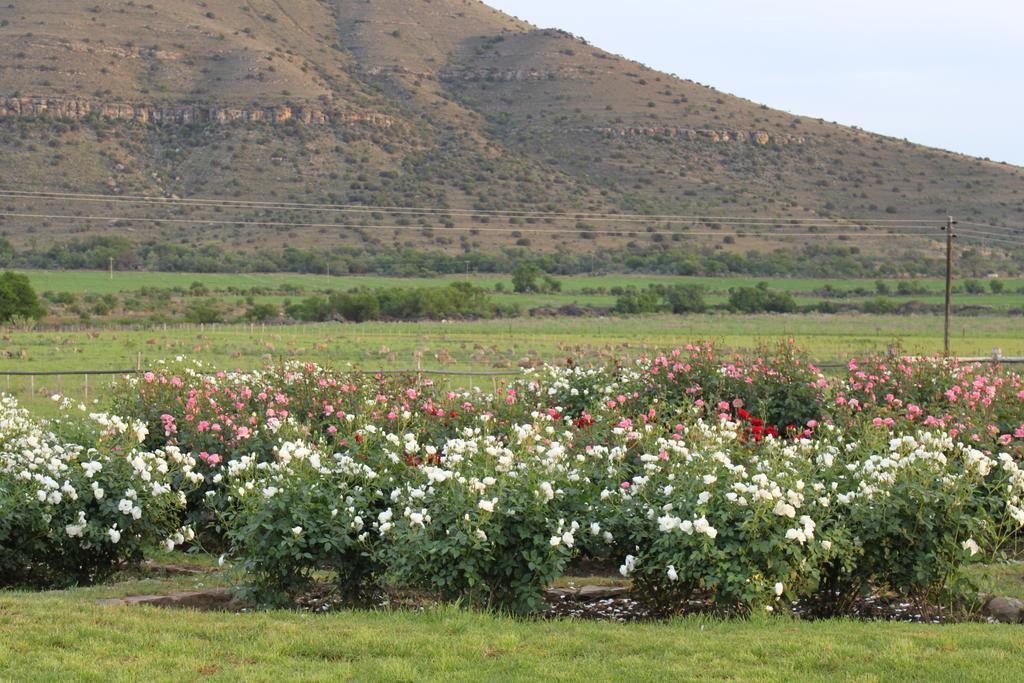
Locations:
(447, 105)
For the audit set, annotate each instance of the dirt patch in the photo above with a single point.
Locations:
(213, 599)
(600, 603)
(175, 569)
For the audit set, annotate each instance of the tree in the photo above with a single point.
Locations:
(634, 301)
(524, 278)
(528, 277)
(911, 288)
(203, 311)
(760, 299)
(686, 299)
(18, 299)
(974, 287)
(7, 252)
(261, 312)
(550, 284)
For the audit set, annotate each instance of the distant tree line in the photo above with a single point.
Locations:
(460, 300)
(760, 299)
(682, 299)
(457, 300)
(808, 261)
(677, 299)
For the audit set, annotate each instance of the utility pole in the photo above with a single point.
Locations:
(949, 282)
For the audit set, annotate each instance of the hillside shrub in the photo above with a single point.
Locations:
(458, 299)
(760, 299)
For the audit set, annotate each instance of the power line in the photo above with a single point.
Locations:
(988, 241)
(347, 208)
(431, 210)
(979, 238)
(1006, 232)
(285, 224)
(747, 222)
(993, 225)
(746, 226)
(996, 234)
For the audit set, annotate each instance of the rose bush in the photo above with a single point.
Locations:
(823, 520)
(748, 482)
(976, 403)
(304, 515)
(73, 513)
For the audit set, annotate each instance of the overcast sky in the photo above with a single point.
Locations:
(943, 73)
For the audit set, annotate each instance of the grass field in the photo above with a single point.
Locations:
(66, 635)
(490, 345)
(101, 282)
(575, 289)
(486, 345)
(504, 342)
(115, 643)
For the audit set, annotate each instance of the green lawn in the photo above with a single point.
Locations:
(580, 290)
(101, 282)
(66, 636)
(825, 337)
(487, 345)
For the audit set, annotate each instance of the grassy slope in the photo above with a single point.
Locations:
(133, 643)
(458, 140)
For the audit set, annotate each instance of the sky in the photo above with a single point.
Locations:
(943, 73)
